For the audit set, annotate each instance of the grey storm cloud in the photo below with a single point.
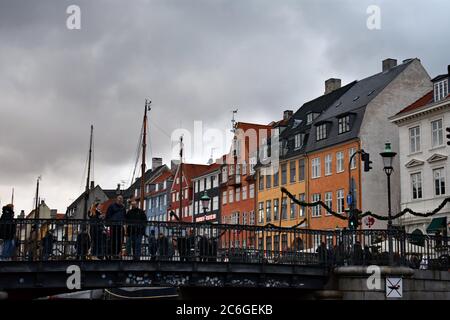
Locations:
(196, 60)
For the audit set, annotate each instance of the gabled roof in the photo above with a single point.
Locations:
(297, 123)
(354, 100)
(149, 174)
(210, 169)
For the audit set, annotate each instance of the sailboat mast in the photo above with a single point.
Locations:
(181, 177)
(88, 178)
(36, 212)
(12, 197)
(144, 148)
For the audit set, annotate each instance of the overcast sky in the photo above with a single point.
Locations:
(196, 60)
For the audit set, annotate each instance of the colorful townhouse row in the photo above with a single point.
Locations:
(308, 152)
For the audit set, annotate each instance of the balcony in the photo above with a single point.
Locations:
(234, 181)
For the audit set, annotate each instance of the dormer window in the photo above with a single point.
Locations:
(321, 132)
(441, 90)
(309, 118)
(299, 138)
(344, 124)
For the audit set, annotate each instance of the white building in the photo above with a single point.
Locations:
(424, 158)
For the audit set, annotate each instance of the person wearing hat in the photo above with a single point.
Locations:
(8, 232)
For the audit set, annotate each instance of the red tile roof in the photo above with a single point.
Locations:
(60, 216)
(423, 101)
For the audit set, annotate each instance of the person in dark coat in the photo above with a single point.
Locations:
(136, 222)
(47, 245)
(322, 251)
(82, 245)
(97, 232)
(163, 246)
(152, 245)
(8, 232)
(115, 216)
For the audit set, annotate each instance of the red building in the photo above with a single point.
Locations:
(238, 183)
(189, 171)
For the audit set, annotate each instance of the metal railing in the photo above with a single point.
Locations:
(48, 239)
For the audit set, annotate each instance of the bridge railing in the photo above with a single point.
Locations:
(49, 239)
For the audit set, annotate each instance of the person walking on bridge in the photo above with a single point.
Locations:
(8, 232)
(115, 217)
(136, 222)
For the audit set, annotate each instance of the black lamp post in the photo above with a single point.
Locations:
(388, 157)
(205, 199)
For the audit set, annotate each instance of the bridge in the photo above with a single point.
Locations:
(50, 254)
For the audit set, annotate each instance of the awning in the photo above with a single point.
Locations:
(437, 224)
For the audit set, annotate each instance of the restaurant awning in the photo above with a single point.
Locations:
(437, 224)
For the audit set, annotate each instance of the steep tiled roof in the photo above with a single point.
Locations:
(354, 102)
(211, 168)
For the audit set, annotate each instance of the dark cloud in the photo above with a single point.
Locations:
(197, 60)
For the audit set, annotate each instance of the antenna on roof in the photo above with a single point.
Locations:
(233, 121)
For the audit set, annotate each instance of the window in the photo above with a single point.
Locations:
(224, 197)
(416, 185)
(216, 203)
(340, 201)
(293, 211)
(309, 118)
(268, 243)
(293, 173)
(238, 194)
(276, 243)
(230, 196)
(315, 167)
(437, 138)
(339, 161)
(344, 124)
(232, 169)
(224, 174)
(321, 132)
(283, 173)
(284, 242)
(268, 179)
(284, 208)
(261, 212)
(328, 160)
(252, 218)
(351, 152)
(301, 169)
(329, 201)
(208, 183)
(261, 180)
(439, 181)
(298, 140)
(301, 212)
(252, 191)
(268, 211)
(276, 176)
(275, 209)
(201, 185)
(252, 165)
(244, 193)
(414, 139)
(316, 209)
(244, 168)
(440, 90)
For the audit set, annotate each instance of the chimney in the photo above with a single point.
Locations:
(332, 84)
(156, 162)
(53, 213)
(22, 214)
(287, 114)
(118, 191)
(92, 185)
(389, 64)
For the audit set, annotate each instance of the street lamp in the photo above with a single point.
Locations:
(388, 157)
(205, 199)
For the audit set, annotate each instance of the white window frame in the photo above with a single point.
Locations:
(238, 194)
(339, 161)
(351, 152)
(414, 134)
(340, 201)
(298, 140)
(244, 193)
(316, 209)
(329, 201)
(225, 197)
(252, 191)
(329, 164)
(315, 168)
(321, 132)
(413, 182)
(441, 178)
(439, 132)
(441, 90)
(231, 196)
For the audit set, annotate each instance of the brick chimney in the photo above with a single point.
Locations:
(389, 64)
(332, 84)
(287, 114)
(156, 162)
